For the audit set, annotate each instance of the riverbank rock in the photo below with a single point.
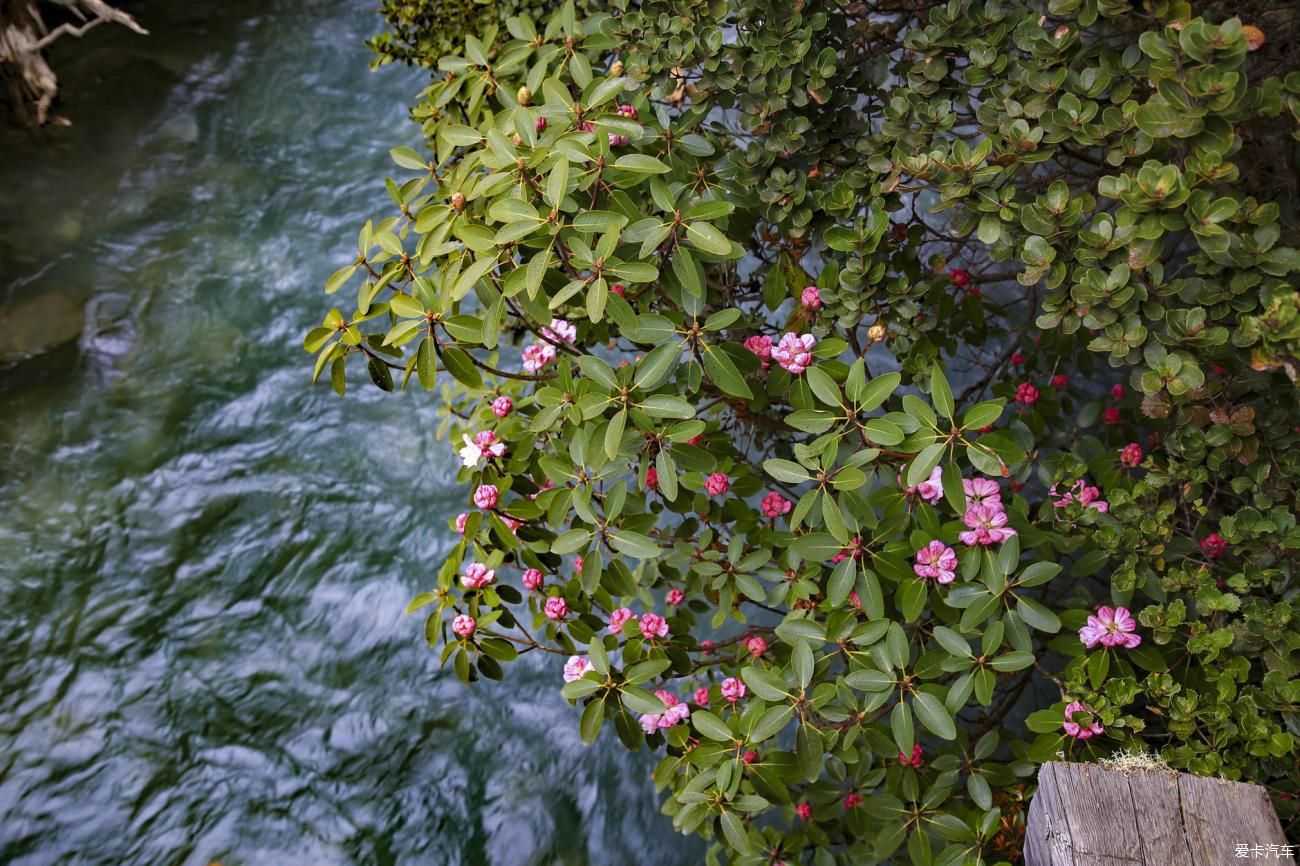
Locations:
(34, 325)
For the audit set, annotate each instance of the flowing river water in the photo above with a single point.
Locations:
(204, 561)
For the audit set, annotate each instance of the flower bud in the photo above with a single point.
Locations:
(458, 201)
(617, 68)
(525, 96)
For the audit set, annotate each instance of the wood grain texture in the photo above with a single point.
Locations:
(1085, 815)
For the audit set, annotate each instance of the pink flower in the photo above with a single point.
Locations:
(1076, 730)
(653, 625)
(987, 526)
(675, 712)
(1216, 369)
(983, 491)
(915, 760)
(618, 618)
(852, 800)
(811, 298)
(696, 440)
(931, 489)
(628, 111)
(619, 289)
(561, 331)
(1110, 416)
(1026, 394)
(651, 478)
(676, 596)
(575, 668)
(578, 563)
(487, 496)
(484, 446)
(937, 561)
(750, 756)
(960, 277)
(533, 579)
(1117, 391)
(855, 599)
(1213, 545)
(556, 608)
(463, 625)
(1110, 627)
(539, 124)
(733, 689)
(756, 646)
(501, 406)
(701, 697)
(460, 522)
(537, 356)
(794, 353)
(1060, 380)
(774, 505)
(650, 722)
(1131, 455)
(617, 140)
(1081, 492)
(706, 646)
(1017, 359)
(804, 810)
(717, 484)
(762, 347)
(477, 576)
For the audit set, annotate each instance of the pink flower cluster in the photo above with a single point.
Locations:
(677, 711)
(651, 478)
(774, 505)
(717, 484)
(484, 446)
(463, 625)
(1213, 545)
(537, 356)
(556, 608)
(502, 406)
(756, 646)
(1026, 394)
(653, 625)
(985, 525)
(1082, 493)
(477, 576)
(576, 668)
(532, 579)
(794, 352)
(931, 489)
(1131, 455)
(618, 618)
(733, 689)
(762, 347)
(675, 597)
(914, 760)
(811, 298)
(487, 496)
(1076, 730)
(1110, 627)
(937, 561)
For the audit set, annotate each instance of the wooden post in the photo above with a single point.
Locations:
(1088, 815)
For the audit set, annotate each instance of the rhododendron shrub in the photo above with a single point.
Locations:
(858, 408)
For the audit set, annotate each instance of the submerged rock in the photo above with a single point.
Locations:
(37, 324)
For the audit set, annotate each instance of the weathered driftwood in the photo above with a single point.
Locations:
(23, 39)
(1087, 815)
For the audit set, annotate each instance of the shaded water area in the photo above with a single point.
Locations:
(203, 561)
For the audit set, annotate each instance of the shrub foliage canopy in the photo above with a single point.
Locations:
(869, 401)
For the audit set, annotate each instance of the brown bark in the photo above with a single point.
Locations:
(31, 83)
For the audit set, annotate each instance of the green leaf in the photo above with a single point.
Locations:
(923, 464)
(426, 364)
(870, 680)
(934, 715)
(592, 718)
(786, 470)
(704, 236)
(633, 544)
(408, 158)
(841, 583)
(614, 438)
(952, 642)
(1038, 616)
(733, 829)
(823, 386)
(772, 722)
(765, 684)
(1012, 661)
(458, 363)
(640, 163)
(940, 392)
(900, 725)
(638, 700)
(875, 392)
(596, 369)
(711, 726)
(722, 370)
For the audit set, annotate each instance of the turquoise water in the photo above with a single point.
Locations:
(203, 560)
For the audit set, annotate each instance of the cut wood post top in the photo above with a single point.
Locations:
(1091, 815)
